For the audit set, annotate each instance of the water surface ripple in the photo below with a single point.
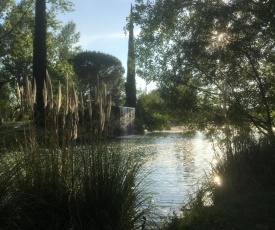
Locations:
(176, 163)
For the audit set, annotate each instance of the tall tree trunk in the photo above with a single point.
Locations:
(130, 86)
(40, 59)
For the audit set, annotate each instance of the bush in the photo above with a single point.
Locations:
(48, 182)
(151, 112)
(249, 168)
(95, 188)
(157, 121)
(245, 199)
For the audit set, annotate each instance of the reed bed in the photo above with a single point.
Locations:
(50, 182)
(96, 188)
(238, 194)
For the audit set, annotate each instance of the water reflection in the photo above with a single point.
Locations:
(176, 163)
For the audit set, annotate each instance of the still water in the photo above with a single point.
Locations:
(177, 163)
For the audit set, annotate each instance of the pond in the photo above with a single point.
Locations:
(177, 163)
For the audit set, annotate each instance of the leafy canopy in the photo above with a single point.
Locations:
(223, 51)
(16, 41)
(93, 69)
(150, 112)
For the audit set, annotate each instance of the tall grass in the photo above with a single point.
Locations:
(249, 169)
(48, 182)
(243, 198)
(98, 189)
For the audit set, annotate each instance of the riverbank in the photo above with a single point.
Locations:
(243, 200)
(174, 129)
(170, 157)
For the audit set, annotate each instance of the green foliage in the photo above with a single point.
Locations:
(248, 169)
(96, 188)
(67, 38)
(181, 101)
(61, 47)
(16, 40)
(16, 49)
(93, 69)
(16, 46)
(221, 50)
(245, 197)
(6, 102)
(49, 182)
(151, 112)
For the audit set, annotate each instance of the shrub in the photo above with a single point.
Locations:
(96, 188)
(151, 112)
(245, 197)
(48, 182)
(249, 168)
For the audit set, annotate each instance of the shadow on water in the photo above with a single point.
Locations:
(176, 163)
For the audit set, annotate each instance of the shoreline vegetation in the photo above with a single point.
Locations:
(213, 62)
(33, 178)
(48, 182)
(239, 192)
(92, 188)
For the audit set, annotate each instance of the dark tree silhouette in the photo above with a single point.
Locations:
(130, 86)
(93, 68)
(40, 58)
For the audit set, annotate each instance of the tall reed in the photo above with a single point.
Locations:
(51, 183)
(239, 193)
(99, 189)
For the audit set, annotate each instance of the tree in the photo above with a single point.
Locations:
(15, 39)
(17, 63)
(223, 50)
(13, 14)
(40, 58)
(6, 102)
(67, 38)
(16, 45)
(130, 86)
(62, 46)
(150, 112)
(94, 69)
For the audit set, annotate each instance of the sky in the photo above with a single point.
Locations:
(101, 25)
